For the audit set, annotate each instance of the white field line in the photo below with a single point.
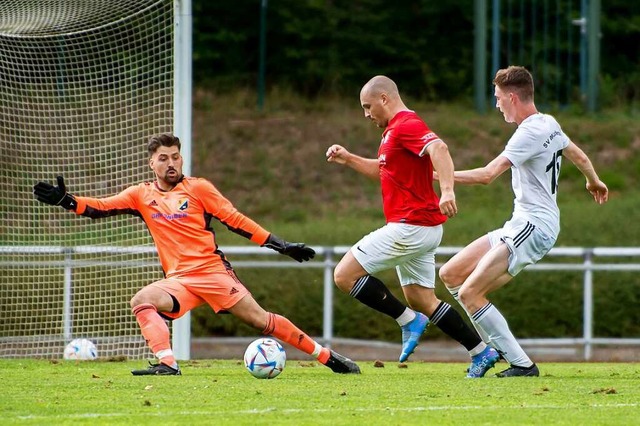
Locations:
(324, 410)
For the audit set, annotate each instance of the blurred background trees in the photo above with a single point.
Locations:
(320, 47)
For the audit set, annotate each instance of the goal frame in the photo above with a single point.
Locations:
(141, 111)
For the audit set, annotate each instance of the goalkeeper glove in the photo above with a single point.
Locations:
(297, 251)
(55, 195)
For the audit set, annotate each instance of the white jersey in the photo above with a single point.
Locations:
(535, 152)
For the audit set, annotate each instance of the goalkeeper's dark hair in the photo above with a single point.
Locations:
(162, 139)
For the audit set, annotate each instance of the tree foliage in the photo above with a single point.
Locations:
(326, 46)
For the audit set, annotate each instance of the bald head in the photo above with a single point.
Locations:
(379, 85)
(380, 100)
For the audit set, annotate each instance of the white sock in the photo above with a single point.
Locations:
(316, 350)
(406, 317)
(491, 321)
(165, 353)
(483, 335)
(480, 347)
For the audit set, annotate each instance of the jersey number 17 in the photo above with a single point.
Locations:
(554, 167)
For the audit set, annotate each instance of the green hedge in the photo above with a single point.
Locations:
(536, 304)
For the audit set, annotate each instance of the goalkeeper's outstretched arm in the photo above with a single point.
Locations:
(89, 207)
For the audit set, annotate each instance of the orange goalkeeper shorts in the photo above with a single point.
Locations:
(220, 290)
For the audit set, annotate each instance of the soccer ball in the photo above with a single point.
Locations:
(265, 358)
(81, 349)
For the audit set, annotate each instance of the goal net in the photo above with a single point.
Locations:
(83, 84)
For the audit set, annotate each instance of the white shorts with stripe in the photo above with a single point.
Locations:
(411, 249)
(526, 242)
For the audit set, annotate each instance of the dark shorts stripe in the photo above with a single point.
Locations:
(524, 234)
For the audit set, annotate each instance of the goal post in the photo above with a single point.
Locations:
(83, 84)
(181, 337)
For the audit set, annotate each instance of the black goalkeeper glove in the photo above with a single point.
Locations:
(297, 251)
(55, 195)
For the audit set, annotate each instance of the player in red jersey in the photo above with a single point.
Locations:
(177, 210)
(408, 154)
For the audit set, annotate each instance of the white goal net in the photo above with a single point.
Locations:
(83, 84)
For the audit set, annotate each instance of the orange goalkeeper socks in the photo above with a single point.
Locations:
(155, 332)
(283, 329)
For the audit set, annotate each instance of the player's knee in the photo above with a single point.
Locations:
(343, 281)
(136, 301)
(141, 297)
(449, 277)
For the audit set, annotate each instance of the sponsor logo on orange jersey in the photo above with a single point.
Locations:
(172, 216)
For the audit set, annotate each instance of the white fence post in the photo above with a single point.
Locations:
(327, 306)
(67, 295)
(587, 302)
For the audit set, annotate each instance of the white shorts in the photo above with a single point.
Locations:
(526, 243)
(411, 249)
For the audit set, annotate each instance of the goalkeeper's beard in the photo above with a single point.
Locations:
(172, 179)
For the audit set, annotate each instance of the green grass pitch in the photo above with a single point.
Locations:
(222, 392)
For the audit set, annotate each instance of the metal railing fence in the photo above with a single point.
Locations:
(326, 259)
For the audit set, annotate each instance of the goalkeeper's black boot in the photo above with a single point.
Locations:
(340, 364)
(515, 371)
(157, 370)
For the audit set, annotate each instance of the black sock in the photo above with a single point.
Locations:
(450, 321)
(373, 293)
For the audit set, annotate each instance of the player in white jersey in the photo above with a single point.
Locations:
(534, 154)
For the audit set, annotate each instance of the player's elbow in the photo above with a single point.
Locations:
(438, 150)
(486, 177)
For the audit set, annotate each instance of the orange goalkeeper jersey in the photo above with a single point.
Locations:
(179, 221)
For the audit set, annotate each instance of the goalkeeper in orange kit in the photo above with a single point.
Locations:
(177, 210)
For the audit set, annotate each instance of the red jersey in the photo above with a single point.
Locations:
(406, 172)
(178, 221)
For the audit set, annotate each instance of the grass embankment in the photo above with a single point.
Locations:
(272, 166)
